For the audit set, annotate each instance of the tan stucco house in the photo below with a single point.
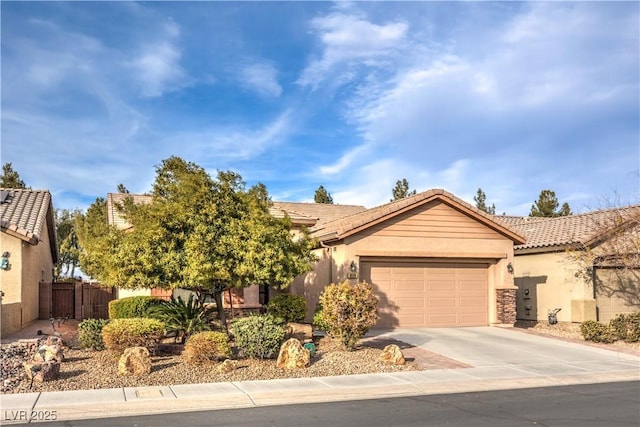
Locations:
(433, 259)
(29, 242)
(549, 278)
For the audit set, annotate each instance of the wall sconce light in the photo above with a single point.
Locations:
(353, 267)
(510, 268)
(4, 261)
(353, 270)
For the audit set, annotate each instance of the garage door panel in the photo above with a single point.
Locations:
(441, 302)
(419, 294)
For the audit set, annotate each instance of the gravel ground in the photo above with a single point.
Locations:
(571, 332)
(85, 370)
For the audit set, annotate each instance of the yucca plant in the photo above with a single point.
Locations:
(183, 318)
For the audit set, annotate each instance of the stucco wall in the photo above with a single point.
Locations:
(29, 265)
(551, 283)
(10, 318)
(11, 279)
(37, 266)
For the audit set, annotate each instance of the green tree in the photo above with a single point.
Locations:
(122, 189)
(547, 206)
(10, 178)
(68, 246)
(323, 196)
(96, 240)
(480, 198)
(202, 234)
(401, 190)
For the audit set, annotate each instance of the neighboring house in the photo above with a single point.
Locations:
(29, 242)
(548, 278)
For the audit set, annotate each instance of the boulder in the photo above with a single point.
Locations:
(392, 355)
(42, 371)
(293, 355)
(227, 366)
(47, 353)
(300, 331)
(53, 340)
(134, 361)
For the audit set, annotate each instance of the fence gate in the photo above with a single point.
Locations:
(62, 300)
(95, 301)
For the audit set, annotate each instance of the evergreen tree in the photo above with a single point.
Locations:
(480, 199)
(547, 206)
(10, 178)
(323, 196)
(401, 190)
(68, 247)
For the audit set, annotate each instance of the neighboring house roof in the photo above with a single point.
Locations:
(114, 216)
(346, 226)
(300, 213)
(550, 234)
(25, 214)
(318, 213)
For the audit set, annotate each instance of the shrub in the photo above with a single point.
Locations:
(182, 318)
(90, 333)
(597, 332)
(627, 326)
(291, 308)
(119, 334)
(126, 308)
(258, 336)
(318, 320)
(349, 311)
(207, 346)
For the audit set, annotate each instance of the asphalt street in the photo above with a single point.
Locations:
(605, 404)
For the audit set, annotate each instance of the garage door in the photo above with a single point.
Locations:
(423, 294)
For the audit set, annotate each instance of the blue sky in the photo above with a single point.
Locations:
(511, 97)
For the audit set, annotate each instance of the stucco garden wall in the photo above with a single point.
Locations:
(547, 281)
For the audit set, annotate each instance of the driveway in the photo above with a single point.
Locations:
(506, 352)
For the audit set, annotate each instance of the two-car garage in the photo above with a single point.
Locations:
(420, 293)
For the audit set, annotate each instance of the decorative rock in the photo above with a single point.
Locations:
(48, 353)
(227, 366)
(134, 361)
(293, 355)
(53, 340)
(41, 372)
(392, 355)
(300, 331)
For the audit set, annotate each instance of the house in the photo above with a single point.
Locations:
(29, 251)
(433, 259)
(598, 288)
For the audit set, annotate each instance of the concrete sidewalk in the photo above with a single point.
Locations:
(85, 404)
(500, 358)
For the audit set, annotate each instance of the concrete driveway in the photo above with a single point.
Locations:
(509, 353)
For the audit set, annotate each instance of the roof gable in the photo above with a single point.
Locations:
(26, 214)
(344, 227)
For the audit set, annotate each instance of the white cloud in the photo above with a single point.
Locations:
(157, 64)
(343, 162)
(350, 39)
(261, 78)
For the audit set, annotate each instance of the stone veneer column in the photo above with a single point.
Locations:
(506, 306)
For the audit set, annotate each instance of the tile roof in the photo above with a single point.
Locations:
(320, 213)
(25, 213)
(300, 213)
(342, 227)
(552, 233)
